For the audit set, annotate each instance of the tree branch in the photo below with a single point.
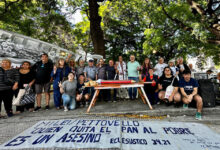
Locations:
(196, 6)
(178, 22)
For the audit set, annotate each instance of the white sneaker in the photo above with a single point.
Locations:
(65, 109)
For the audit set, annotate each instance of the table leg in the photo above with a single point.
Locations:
(97, 94)
(141, 95)
(93, 99)
(145, 96)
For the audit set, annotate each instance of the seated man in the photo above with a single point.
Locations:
(82, 95)
(189, 89)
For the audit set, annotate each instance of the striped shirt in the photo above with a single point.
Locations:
(12, 74)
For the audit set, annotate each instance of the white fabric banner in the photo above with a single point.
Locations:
(122, 134)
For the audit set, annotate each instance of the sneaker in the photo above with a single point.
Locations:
(81, 105)
(114, 101)
(198, 116)
(47, 107)
(10, 114)
(185, 106)
(37, 109)
(65, 109)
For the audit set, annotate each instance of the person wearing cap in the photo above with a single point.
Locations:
(189, 91)
(82, 94)
(90, 71)
(43, 69)
(90, 74)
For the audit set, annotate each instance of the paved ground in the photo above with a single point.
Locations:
(134, 110)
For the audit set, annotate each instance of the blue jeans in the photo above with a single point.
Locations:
(69, 101)
(57, 97)
(132, 91)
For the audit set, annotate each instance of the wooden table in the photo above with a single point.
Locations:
(139, 86)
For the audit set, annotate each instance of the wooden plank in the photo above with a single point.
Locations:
(91, 103)
(148, 102)
(96, 98)
(141, 95)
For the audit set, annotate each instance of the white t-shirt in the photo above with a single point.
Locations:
(159, 69)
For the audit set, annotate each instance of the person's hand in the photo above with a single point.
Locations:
(138, 68)
(54, 68)
(141, 67)
(80, 96)
(69, 55)
(170, 98)
(15, 87)
(153, 83)
(30, 84)
(60, 84)
(190, 97)
(160, 87)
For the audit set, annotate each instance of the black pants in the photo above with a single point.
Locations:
(109, 94)
(6, 96)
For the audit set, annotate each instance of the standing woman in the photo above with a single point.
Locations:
(68, 88)
(59, 74)
(9, 79)
(27, 78)
(145, 67)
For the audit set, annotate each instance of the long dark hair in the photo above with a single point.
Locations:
(146, 69)
(171, 73)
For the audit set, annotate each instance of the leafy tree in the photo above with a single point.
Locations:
(41, 19)
(91, 7)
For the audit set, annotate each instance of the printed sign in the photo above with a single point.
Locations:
(122, 134)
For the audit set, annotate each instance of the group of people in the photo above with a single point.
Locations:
(170, 83)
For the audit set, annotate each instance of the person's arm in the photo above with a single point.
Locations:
(31, 83)
(140, 78)
(16, 78)
(61, 87)
(68, 58)
(183, 92)
(195, 91)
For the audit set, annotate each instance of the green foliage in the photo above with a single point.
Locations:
(152, 28)
(39, 19)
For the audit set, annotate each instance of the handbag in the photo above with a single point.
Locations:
(28, 97)
(169, 90)
(16, 101)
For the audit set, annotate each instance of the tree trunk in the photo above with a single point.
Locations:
(95, 28)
